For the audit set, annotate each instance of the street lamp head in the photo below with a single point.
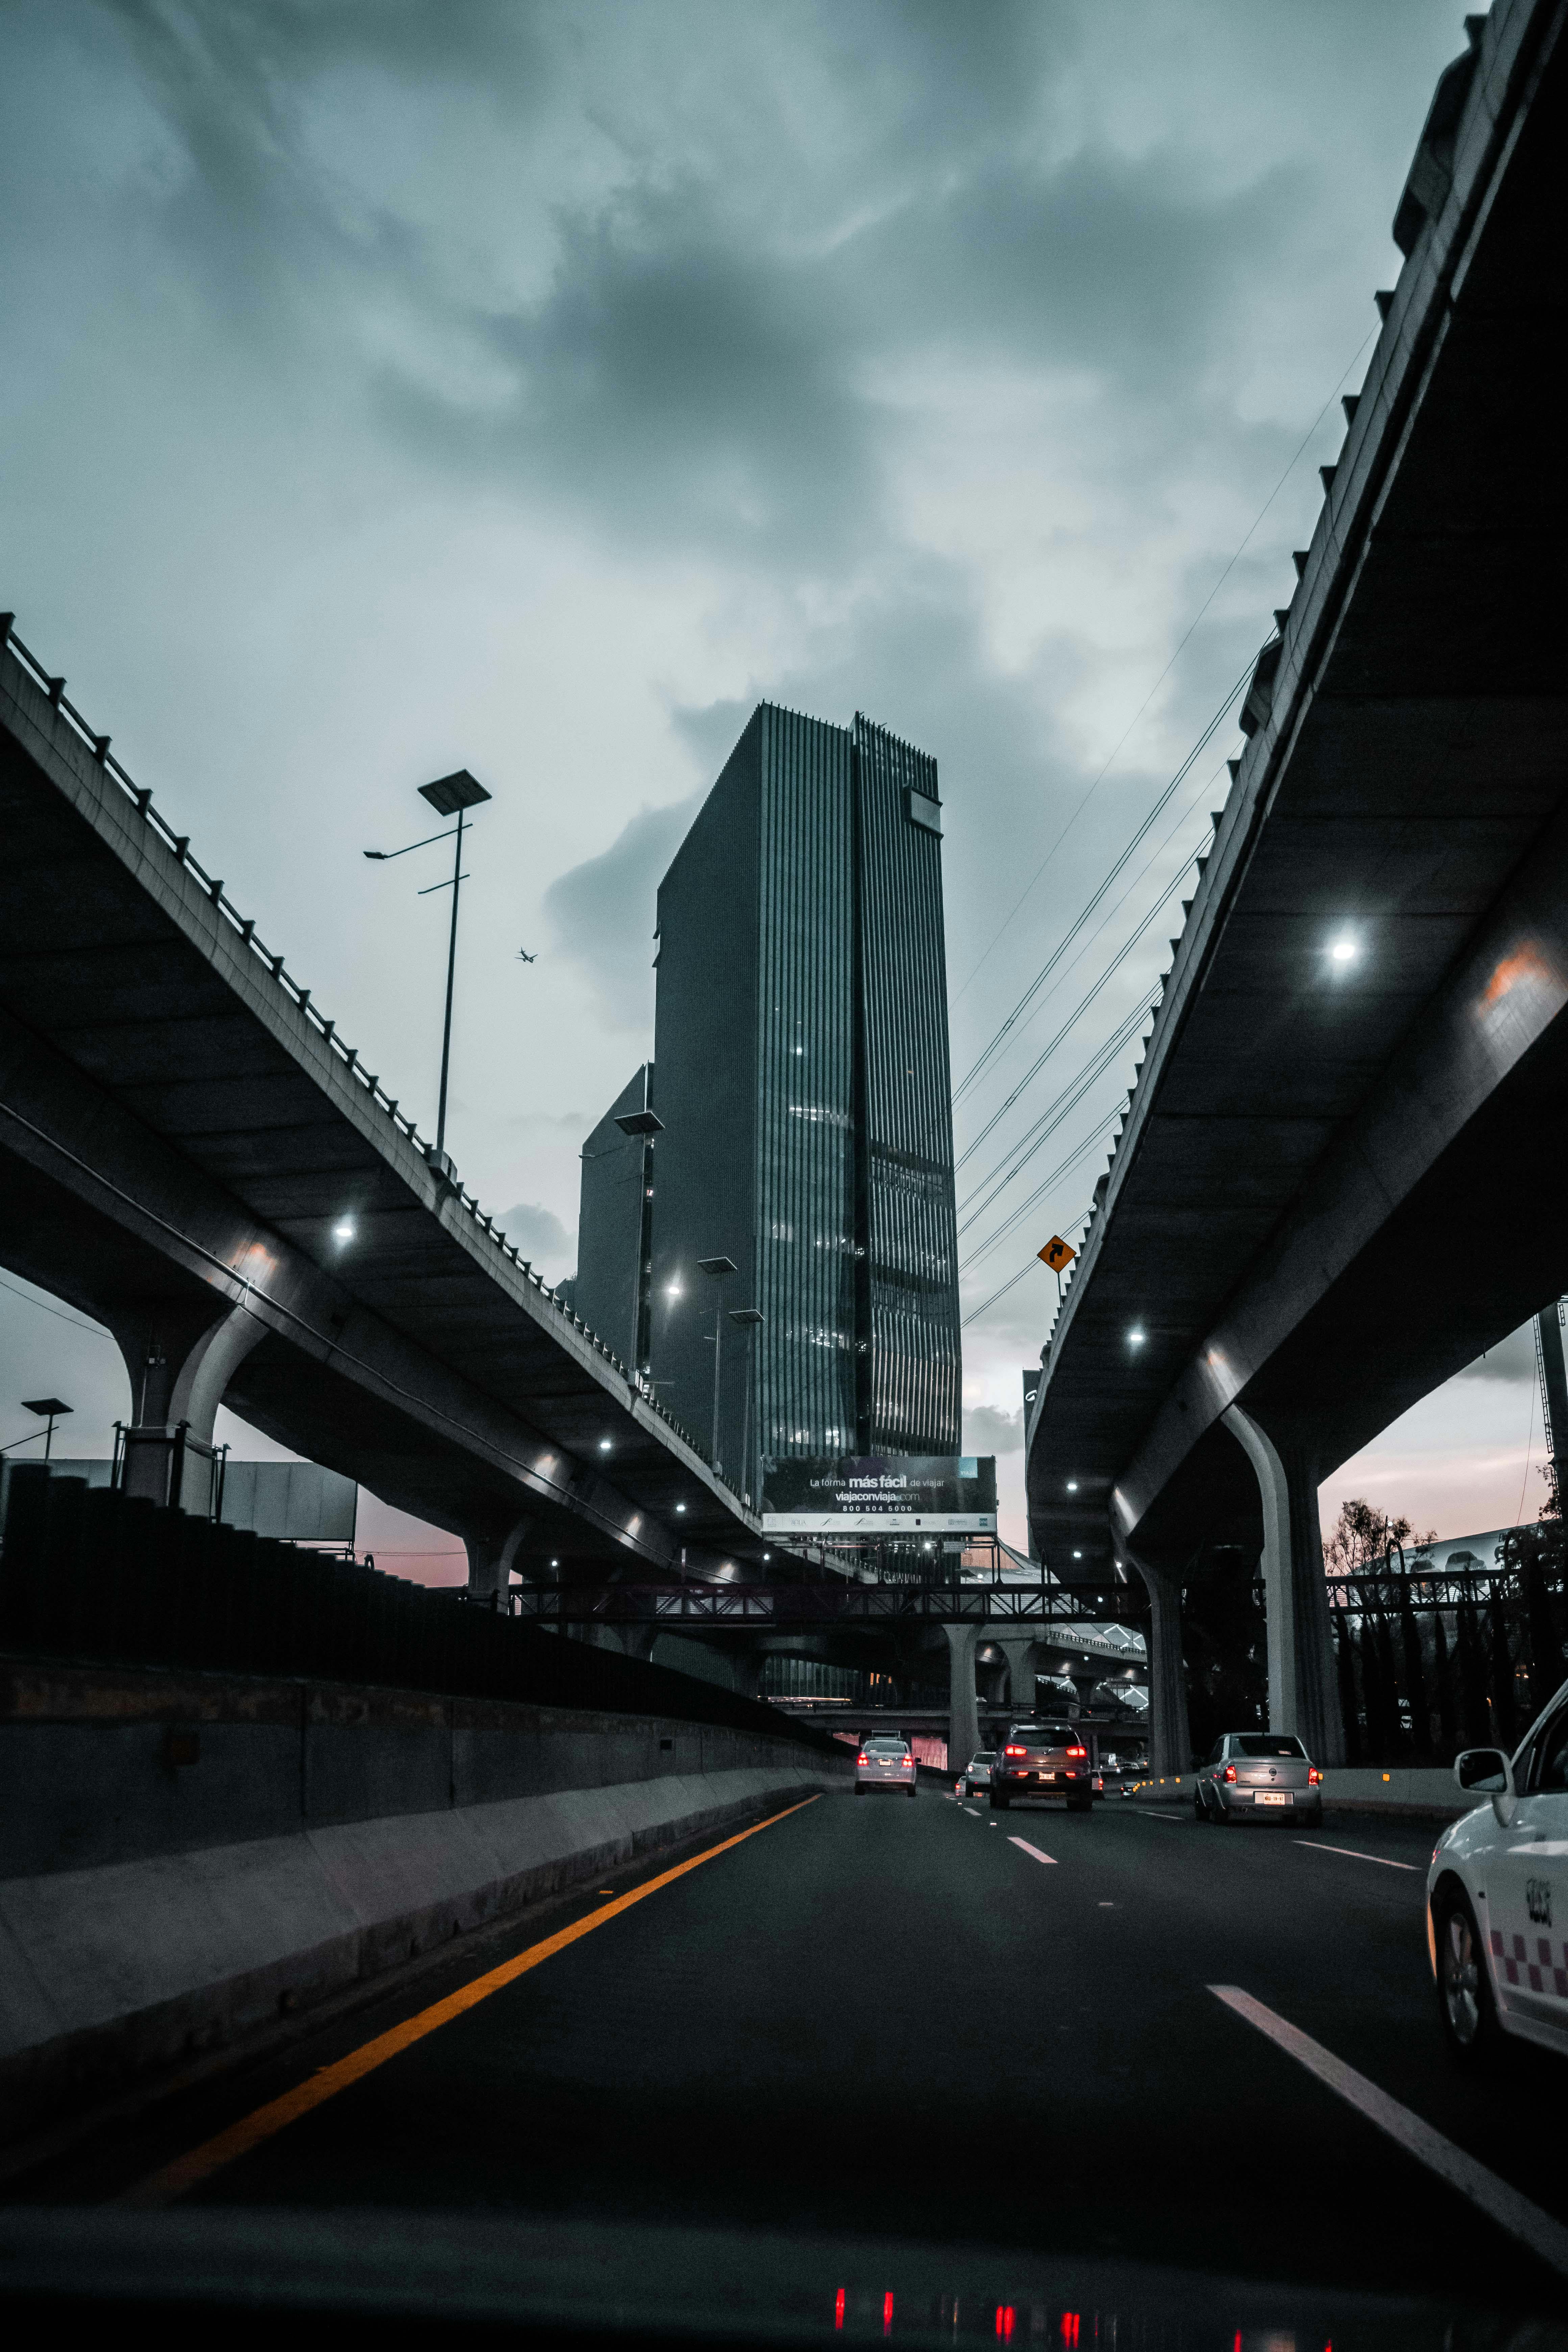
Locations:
(449, 793)
(344, 1230)
(640, 1122)
(718, 1265)
(750, 1314)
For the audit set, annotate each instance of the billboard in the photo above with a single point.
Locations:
(880, 1495)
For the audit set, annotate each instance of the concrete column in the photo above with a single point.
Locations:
(1084, 1688)
(962, 1711)
(1170, 1740)
(1019, 1653)
(181, 1379)
(491, 1558)
(749, 1664)
(1303, 1693)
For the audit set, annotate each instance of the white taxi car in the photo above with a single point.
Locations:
(1497, 1896)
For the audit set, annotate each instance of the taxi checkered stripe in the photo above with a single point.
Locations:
(1536, 1971)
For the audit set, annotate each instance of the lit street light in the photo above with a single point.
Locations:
(451, 795)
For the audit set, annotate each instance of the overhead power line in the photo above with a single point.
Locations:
(1010, 1225)
(1013, 1281)
(1092, 904)
(1191, 627)
(1066, 1102)
(1041, 1058)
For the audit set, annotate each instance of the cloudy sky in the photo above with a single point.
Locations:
(389, 385)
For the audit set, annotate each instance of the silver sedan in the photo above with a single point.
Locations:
(1258, 1776)
(885, 1763)
(975, 1778)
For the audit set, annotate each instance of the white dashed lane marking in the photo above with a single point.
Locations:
(974, 1811)
(1164, 1817)
(1504, 2204)
(1023, 1844)
(1351, 1855)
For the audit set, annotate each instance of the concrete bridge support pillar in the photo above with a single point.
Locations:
(1303, 1693)
(1020, 1657)
(490, 1560)
(962, 1708)
(181, 1378)
(1170, 1740)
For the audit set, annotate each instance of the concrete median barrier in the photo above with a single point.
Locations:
(188, 1858)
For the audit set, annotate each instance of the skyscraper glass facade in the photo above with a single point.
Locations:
(802, 1081)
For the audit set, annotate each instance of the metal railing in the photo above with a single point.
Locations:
(778, 1605)
(94, 1575)
(178, 845)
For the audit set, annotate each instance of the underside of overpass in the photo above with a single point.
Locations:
(181, 1132)
(1339, 1175)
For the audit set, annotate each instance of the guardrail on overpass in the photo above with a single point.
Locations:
(192, 1155)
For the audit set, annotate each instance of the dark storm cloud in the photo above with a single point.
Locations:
(541, 1237)
(602, 912)
(1513, 1359)
(707, 363)
(988, 1430)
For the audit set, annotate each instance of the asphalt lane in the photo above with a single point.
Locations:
(892, 2019)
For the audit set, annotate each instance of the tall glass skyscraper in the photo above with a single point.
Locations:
(803, 1090)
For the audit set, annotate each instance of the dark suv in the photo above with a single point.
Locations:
(1042, 1759)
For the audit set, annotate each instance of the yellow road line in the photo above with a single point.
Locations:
(186, 2172)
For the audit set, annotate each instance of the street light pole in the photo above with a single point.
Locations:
(750, 1319)
(451, 978)
(451, 795)
(719, 1269)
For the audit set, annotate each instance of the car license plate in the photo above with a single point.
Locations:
(1047, 1776)
(1269, 1797)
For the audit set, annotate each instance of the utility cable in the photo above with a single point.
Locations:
(1011, 1284)
(1084, 914)
(1170, 666)
(1082, 1006)
(1010, 1224)
(1066, 1102)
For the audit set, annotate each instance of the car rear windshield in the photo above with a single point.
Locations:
(1041, 1735)
(983, 1756)
(1268, 1743)
(887, 1747)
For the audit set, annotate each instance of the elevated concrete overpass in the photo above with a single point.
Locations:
(182, 1129)
(1340, 1176)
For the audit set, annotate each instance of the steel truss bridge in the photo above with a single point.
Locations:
(773, 1607)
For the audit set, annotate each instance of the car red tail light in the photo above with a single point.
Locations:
(1078, 1751)
(1313, 1775)
(1230, 1772)
(859, 1759)
(1015, 1751)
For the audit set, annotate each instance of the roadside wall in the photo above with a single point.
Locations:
(184, 1857)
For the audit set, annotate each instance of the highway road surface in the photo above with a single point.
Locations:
(924, 2022)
